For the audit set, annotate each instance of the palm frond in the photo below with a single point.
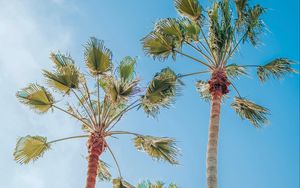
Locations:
(170, 27)
(120, 183)
(158, 148)
(203, 89)
(98, 58)
(277, 68)
(158, 184)
(241, 6)
(126, 69)
(254, 113)
(253, 24)
(159, 46)
(36, 97)
(119, 91)
(190, 30)
(64, 79)
(30, 148)
(235, 71)
(61, 60)
(189, 8)
(160, 92)
(103, 172)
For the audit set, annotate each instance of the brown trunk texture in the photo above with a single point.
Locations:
(96, 146)
(218, 87)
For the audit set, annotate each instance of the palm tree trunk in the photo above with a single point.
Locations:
(212, 147)
(96, 147)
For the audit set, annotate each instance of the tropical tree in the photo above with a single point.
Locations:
(98, 107)
(215, 35)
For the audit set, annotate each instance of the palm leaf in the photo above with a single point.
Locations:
(36, 97)
(64, 80)
(160, 91)
(97, 57)
(61, 60)
(30, 148)
(241, 6)
(120, 183)
(158, 148)
(190, 30)
(189, 8)
(254, 113)
(203, 89)
(158, 184)
(235, 71)
(170, 27)
(276, 69)
(254, 25)
(126, 68)
(119, 91)
(158, 46)
(103, 172)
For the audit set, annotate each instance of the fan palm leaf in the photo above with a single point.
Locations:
(103, 172)
(160, 91)
(254, 113)
(30, 148)
(170, 27)
(158, 45)
(126, 69)
(157, 148)
(190, 30)
(189, 8)
(63, 80)
(61, 60)
(36, 97)
(98, 58)
(203, 89)
(254, 24)
(235, 71)
(277, 68)
(120, 183)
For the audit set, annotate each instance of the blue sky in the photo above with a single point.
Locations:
(248, 157)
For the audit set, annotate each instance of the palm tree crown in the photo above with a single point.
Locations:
(98, 109)
(216, 35)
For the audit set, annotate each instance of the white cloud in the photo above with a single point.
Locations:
(27, 35)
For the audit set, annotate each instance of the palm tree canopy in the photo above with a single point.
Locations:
(216, 35)
(98, 109)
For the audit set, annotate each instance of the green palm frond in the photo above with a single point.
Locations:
(189, 8)
(126, 69)
(119, 91)
(254, 113)
(203, 89)
(160, 91)
(98, 58)
(30, 148)
(190, 30)
(235, 71)
(253, 24)
(120, 183)
(158, 148)
(103, 172)
(159, 46)
(277, 68)
(170, 27)
(158, 184)
(241, 6)
(63, 80)
(36, 97)
(61, 60)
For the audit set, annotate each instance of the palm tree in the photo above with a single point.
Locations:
(216, 35)
(98, 109)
